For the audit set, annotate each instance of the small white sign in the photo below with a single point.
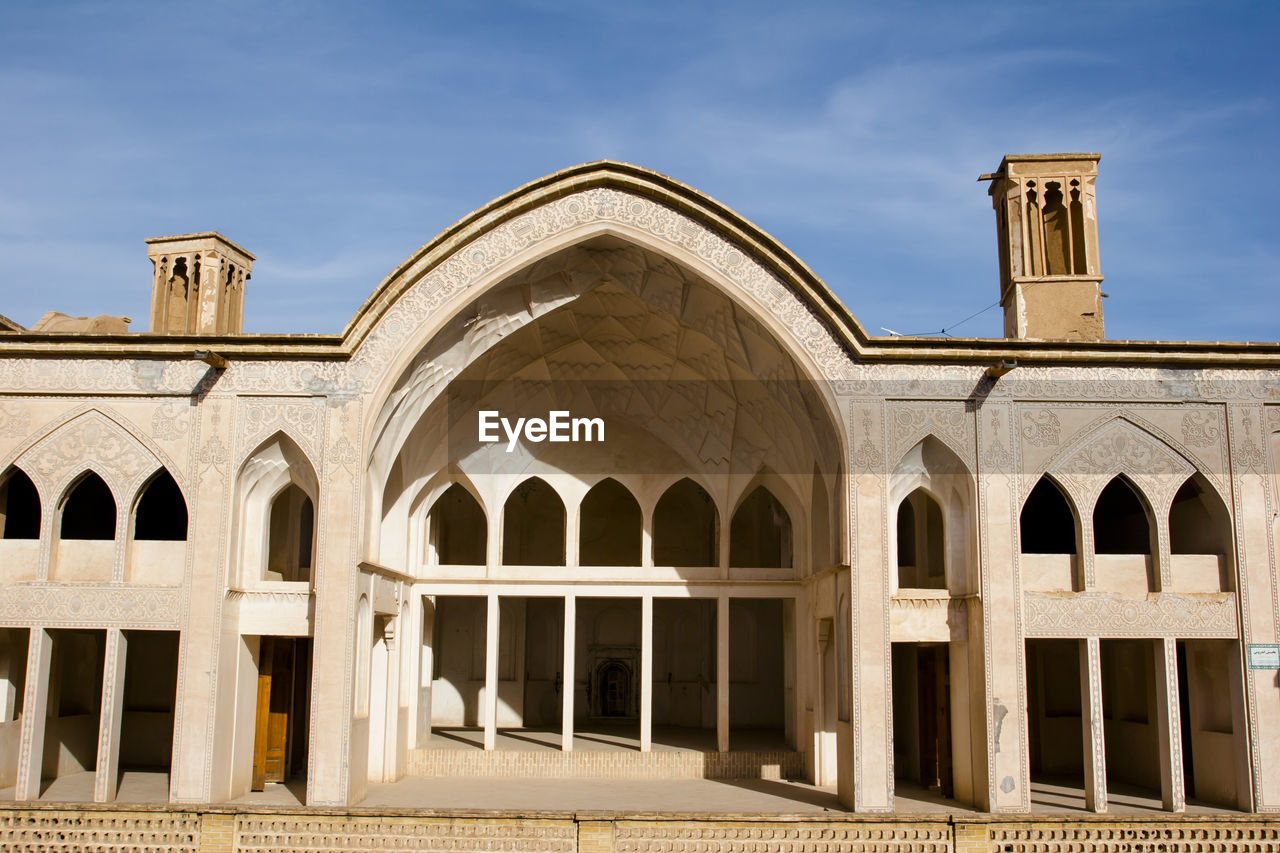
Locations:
(1264, 656)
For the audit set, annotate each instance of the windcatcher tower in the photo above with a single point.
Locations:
(198, 287)
(1047, 227)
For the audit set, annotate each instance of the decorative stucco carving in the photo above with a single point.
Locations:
(90, 606)
(15, 418)
(90, 441)
(1085, 614)
(1041, 427)
(909, 423)
(1122, 448)
(259, 418)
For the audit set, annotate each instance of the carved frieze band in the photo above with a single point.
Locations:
(86, 606)
(1085, 614)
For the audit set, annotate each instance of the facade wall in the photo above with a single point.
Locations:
(336, 427)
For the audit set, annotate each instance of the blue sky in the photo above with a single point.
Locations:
(334, 139)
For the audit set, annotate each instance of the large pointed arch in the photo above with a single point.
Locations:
(433, 289)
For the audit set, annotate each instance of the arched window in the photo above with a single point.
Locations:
(760, 533)
(291, 536)
(161, 513)
(457, 528)
(1047, 525)
(19, 506)
(609, 529)
(1120, 521)
(921, 543)
(685, 527)
(89, 510)
(533, 526)
(1198, 520)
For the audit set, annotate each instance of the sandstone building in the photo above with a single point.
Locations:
(959, 564)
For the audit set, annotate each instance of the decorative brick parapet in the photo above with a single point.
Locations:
(58, 828)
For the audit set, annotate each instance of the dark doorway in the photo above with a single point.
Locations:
(614, 683)
(922, 715)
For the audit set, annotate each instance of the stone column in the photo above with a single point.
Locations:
(646, 672)
(1168, 724)
(35, 711)
(1254, 496)
(864, 778)
(722, 672)
(1093, 734)
(109, 719)
(568, 681)
(426, 669)
(1000, 738)
(491, 674)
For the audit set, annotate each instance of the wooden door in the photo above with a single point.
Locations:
(275, 692)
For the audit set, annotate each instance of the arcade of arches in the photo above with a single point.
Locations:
(795, 549)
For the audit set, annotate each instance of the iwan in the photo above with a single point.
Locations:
(558, 426)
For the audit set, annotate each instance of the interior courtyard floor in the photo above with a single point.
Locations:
(668, 796)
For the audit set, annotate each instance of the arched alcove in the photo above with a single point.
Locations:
(1123, 540)
(921, 538)
(1047, 524)
(277, 493)
(291, 536)
(161, 511)
(88, 510)
(158, 533)
(19, 527)
(1200, 538)
(19, 506)
(931, 497)
(760, 533)
(1198, 520)
(609, 530)
(457, 530)
(86, 532)
(1048, 533)
(533, 526)
(1121, 522)
(686, 527)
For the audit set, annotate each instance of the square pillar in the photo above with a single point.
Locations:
(106, 773)
(1094, 734)
(568, 679)
(722, 673)
(1168, 724)
(491, 674)
(646, 673)
(35, 711)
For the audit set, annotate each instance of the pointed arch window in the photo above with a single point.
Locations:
(19, 506)
(610, 529)
(685, 527)
(89, 510)
(1047, 524)
(457, 528)
(161, 512)
(533, 521)
(760, 533)
(1121, 523)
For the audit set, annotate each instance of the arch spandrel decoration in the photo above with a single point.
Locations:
(425, 294)
(90, 440)
(1121, 447)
